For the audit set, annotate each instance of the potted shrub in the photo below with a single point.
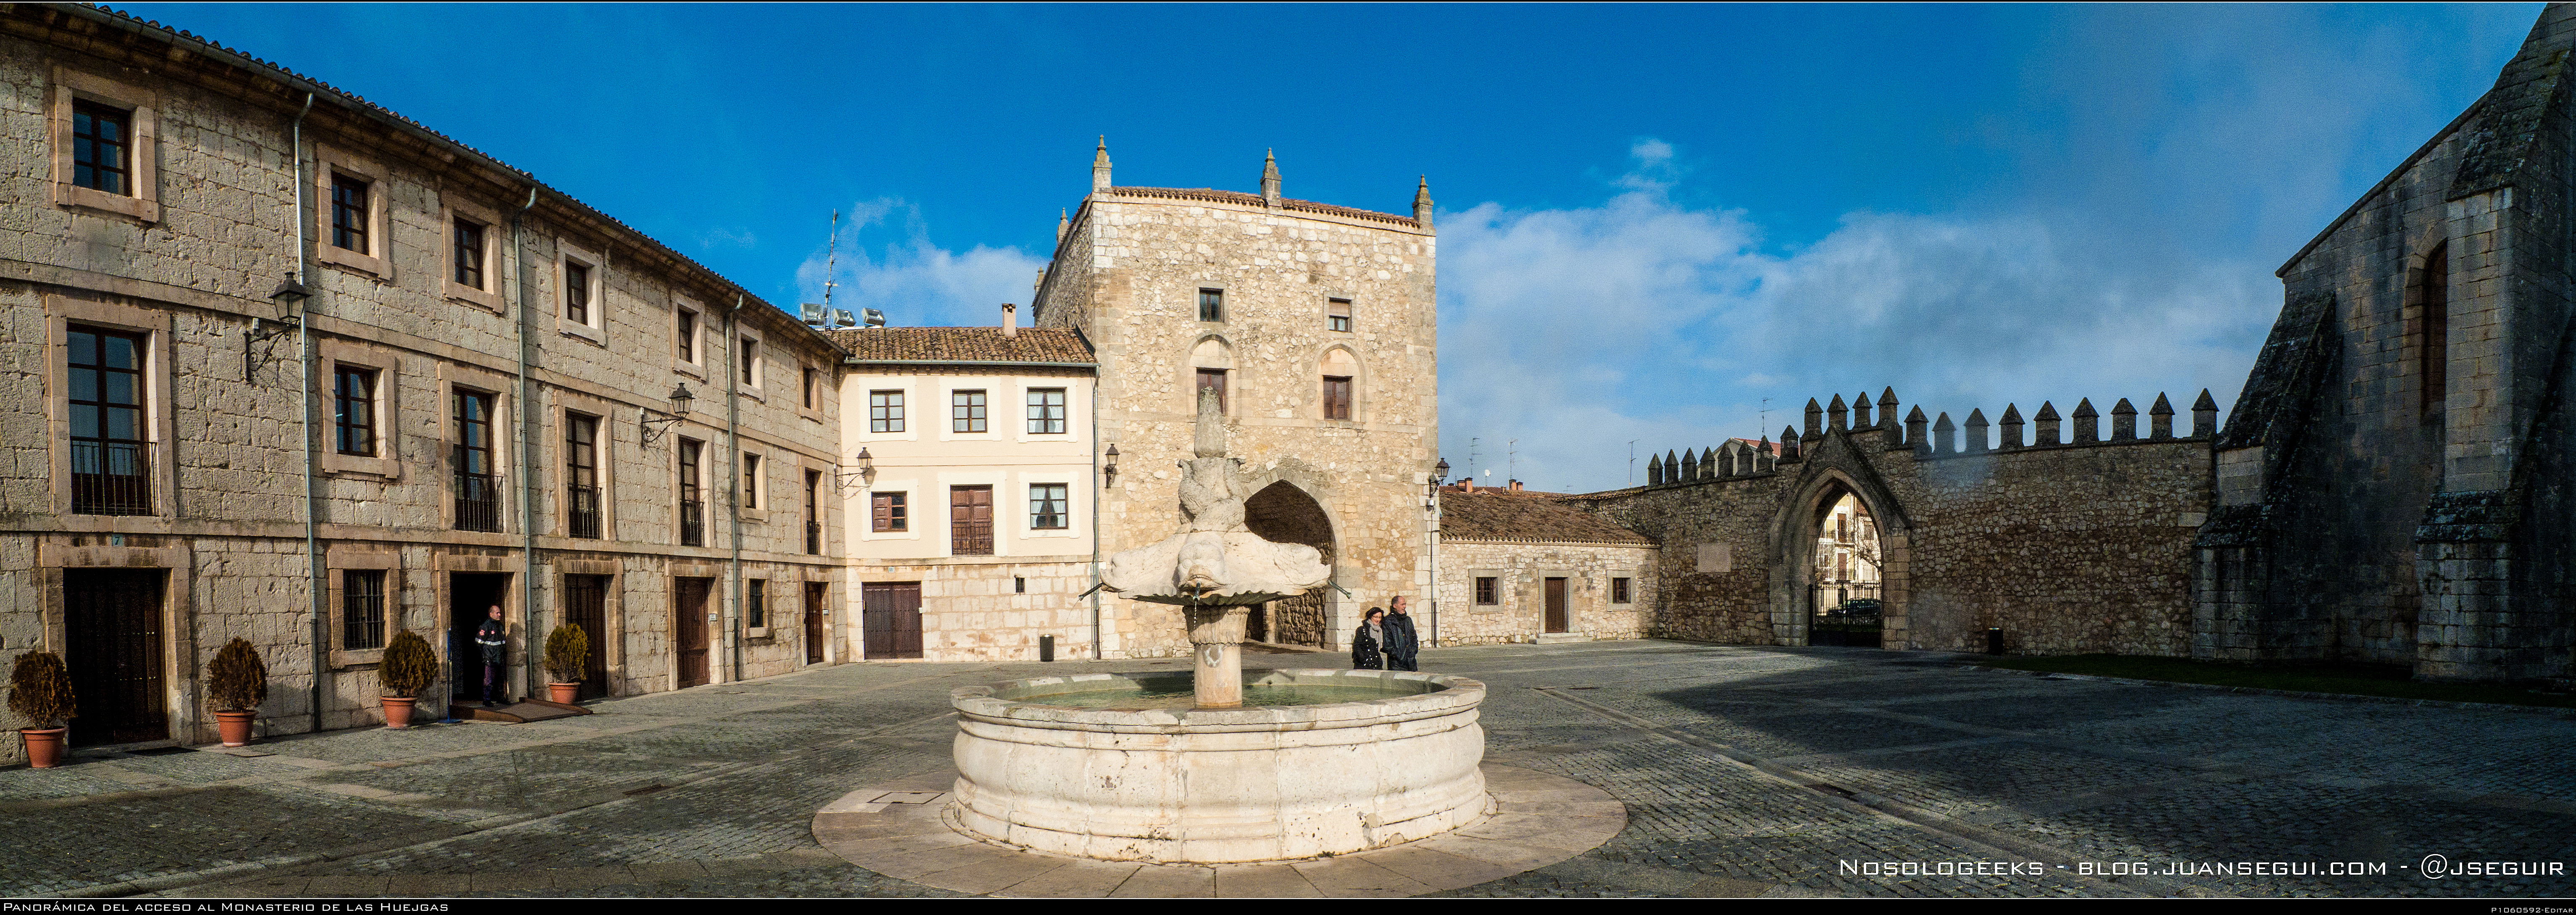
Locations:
(40, 690)
(567, 657)
(409, 667)
(238, 682)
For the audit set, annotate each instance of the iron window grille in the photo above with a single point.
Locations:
(353, 400)
(1047, 506)
(693, 510)
(970, 520)
(362, 609)
(813, 513)
(755, 603)
(102, 147)
(887, 513)
(1618, 590)
(1486, 592)
(469, 253)
(111, 461)
(581, 476)
(349, 214)
(1046, 411)
(478, 488)
(966, 411)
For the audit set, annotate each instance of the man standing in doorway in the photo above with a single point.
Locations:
(1402, 645)
(493, 636)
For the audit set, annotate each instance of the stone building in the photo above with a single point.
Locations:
(2396, 482)
(1517, 567)
(971, 517)
(466, 392)
(1315, 324)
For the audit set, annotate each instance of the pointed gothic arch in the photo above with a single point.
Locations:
(1832, 469)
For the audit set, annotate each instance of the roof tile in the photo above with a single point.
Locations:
(962, 344)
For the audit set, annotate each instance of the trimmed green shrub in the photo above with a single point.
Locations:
(238, 679)
(40, 690)
(567, 653)
(409, 666)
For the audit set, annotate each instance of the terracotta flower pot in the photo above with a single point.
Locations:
(563, 692)
(44, 746)
(235, 726)
(398, 711)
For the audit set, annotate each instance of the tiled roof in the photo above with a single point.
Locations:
(961, 344)
(1213, 195)
(1507, 518)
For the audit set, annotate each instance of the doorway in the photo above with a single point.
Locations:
(586, 607)
(1283, 513)
(890, 615)
(689, 629)
(815, 593)
(112, 622)
(470, 598)
(1556, 621)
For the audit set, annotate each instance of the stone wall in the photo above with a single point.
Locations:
(972, 609)
(1523, 568)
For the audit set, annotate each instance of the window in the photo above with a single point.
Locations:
(2434, 318)
(1211, 305)
(581, 475)
(693, 499)
(111, 463)
(362, 609)
(1019, 584)
(353, 400)
(750, 362)
(1337, 397)
(751, 481)
(1487, 594)
(755, 603)
(576, 293)
(469, 253)
(1210, 378)
(688, 335)
(1046, 411)
(885, 411)
(970, 520)
(478, 488)
(349, 214)
(813, 513)
(1047, 506)
(887, 512)
(805, 386)
(1619, 590)
(102, 148)
(1337, 315)
(966, 411)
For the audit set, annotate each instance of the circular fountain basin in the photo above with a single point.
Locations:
(1120, 767)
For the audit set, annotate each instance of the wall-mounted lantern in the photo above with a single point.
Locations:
(863, 471)
(1109, 468)
(680, 398)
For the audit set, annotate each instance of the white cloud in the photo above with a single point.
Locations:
(915, 282)
(1577, 330)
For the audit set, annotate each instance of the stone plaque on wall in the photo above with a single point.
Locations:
(1716, 557)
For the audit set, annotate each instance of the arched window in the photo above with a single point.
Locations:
(1340, 372)
(2430, 329)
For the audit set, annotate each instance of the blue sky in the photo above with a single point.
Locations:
(1652, 217)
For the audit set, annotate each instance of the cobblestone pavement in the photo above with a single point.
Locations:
(1747, 771)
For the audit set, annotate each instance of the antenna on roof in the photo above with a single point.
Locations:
(831, 256)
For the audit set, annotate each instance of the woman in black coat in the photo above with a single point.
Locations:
(1367, 642)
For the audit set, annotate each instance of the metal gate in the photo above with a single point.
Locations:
(113, 622)
(1845, 614)
(891, 615)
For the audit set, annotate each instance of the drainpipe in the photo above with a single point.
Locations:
(520, 455)
(733, 437)
(315, 585)
(1101, 495)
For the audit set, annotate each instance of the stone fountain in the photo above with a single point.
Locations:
(1319, 762)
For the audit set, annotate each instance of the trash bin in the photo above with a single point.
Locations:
(1046, 648)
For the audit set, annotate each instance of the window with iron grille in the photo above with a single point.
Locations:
(349, 214)
(1337, 314)
(688, 333)
(1337, 397)
(1487, 593)
(581, 475)
(887, 509)
(693, 508)
(1210, 378)
(576, 293)
(111, 461)
(885, 411)
(1618, 590)
(362, 609)
(1046, 411)
(1211, 305)
(970, 520)
(478, 487)
(755, 603)
(102, 148)
(966, 411)
(469, 253)
(751, 481)
(353, 401)
(1047, 506)
(813, 513)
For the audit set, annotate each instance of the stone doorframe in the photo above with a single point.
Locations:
(1832, 464)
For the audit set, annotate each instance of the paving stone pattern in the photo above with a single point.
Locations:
(1746, 771)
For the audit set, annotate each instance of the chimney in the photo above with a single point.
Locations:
(1100, 166)
(1010, 320)
(1269, 178)
(1516, 485)
(1468, 484)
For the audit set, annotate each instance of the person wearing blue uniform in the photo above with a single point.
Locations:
(494, 636)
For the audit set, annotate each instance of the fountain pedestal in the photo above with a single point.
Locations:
(1216, 635)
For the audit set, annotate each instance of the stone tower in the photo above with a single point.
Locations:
(2398, 479)
(1317, 323)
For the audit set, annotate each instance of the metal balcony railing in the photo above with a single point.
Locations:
(111, 478)
(478, 502)
(584, 504)
(693, 523)
(813, 538)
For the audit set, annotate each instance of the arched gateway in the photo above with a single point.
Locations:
(1840, 539)
(1283, 513)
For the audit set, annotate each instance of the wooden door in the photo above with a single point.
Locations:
(112, 620)
(1556, 605)
(891, 614)
(970, 520)
(815, 592)
(586, 606)
(689, 629)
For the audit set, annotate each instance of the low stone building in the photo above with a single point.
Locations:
(1525, 567)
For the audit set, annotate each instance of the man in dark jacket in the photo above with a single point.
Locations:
(1402, 645)
(493, 636)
